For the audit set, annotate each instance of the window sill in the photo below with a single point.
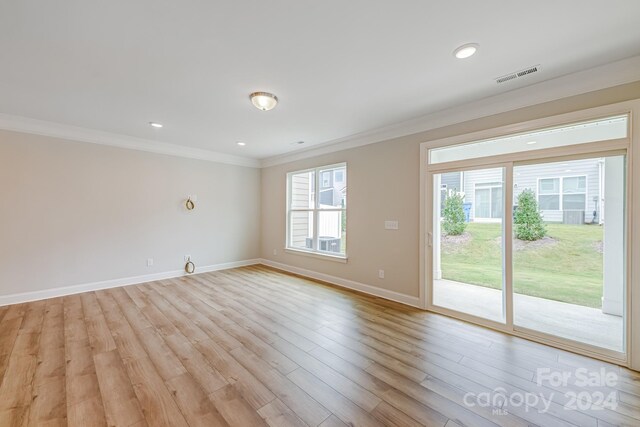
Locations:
(320, 255)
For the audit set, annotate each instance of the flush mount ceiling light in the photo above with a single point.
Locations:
(264, 101)
(241, 144)
(155, 125)
(532, 142)
(466, 50)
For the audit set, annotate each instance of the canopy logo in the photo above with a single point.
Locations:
(580, 389)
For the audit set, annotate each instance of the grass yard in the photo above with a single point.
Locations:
(567, 267)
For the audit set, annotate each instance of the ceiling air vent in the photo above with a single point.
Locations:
(518, 74)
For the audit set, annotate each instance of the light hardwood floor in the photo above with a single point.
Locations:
(253, 346)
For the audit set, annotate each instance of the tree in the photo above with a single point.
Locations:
(453, 213)
(528, 219)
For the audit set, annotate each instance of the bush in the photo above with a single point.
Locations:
(453, 214)
(528, 220)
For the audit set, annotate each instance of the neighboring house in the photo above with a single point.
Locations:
(332, 187)
(569, 192)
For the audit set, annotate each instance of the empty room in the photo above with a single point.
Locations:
(289, 213)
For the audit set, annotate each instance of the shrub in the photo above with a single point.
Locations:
(528, 220)
(453, 214)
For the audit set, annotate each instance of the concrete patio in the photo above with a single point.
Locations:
(575, 322)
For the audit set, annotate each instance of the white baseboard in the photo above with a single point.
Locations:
(126, 281)
(114, 283)
(346, 283)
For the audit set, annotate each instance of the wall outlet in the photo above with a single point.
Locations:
(391, 225)
(149, 262)
(187, 258)
(275, 252)
(381, 274)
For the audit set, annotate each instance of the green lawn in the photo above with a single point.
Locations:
(569, 269)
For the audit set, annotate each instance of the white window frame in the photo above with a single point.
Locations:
(314, 251)
(586, 192)
(485, 185)
(560, 193)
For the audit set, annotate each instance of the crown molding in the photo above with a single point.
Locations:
(74, 133)
(601, 77)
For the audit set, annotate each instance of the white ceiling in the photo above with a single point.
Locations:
(339, 67)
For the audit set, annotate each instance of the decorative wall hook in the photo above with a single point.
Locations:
(189, 267)
(190, 204)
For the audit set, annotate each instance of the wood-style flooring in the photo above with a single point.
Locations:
(253, 346)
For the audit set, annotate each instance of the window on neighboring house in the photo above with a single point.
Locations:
(549, 194)
(488, 203)
(566, 193)
(317, 224)
(574, 193)
(326, 179)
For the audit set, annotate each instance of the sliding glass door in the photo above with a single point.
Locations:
(527, 233)
(468, 262)
(569, 253)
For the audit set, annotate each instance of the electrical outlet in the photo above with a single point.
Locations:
(187, 258)
(149, 262)
(381, 274)
(391, 225)
(275, 252)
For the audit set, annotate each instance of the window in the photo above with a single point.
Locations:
(317, 224)
(609, 128)
(574, 193)
(488, 200)
(326, 179)
(568, 192)
(549, 194)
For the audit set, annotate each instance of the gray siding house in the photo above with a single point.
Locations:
(568, 192)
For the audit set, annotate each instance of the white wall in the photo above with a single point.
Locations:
(74, 213)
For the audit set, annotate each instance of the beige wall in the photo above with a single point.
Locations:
(384, 185)
(75, 213)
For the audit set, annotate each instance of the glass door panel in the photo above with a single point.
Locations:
(468, 236)
(569, 250)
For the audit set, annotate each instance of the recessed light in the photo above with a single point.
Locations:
(155, 125)
(240, 143)
(466, 50)
(568, 170)
(532, 142)
(264, 101)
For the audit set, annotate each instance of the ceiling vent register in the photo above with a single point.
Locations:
(518, 74)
